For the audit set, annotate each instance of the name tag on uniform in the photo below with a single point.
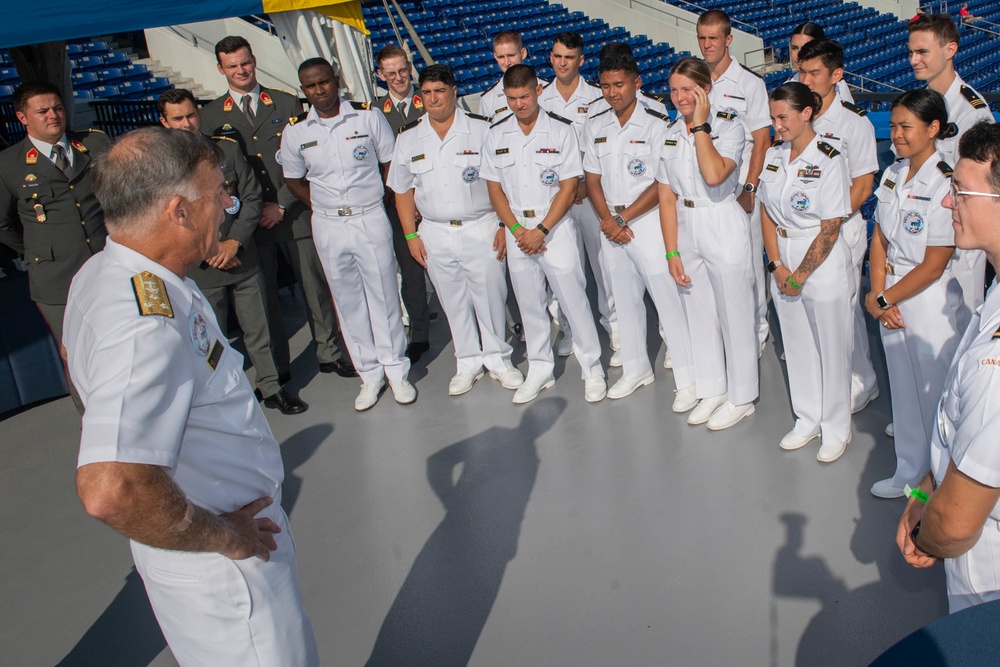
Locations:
(600, 140)
(214, 355)
(501, 151)
(772, 167)
(417, 158)
(302, 147)
(670, 142)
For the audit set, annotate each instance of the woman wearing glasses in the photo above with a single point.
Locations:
(915, 296)
(805, 192)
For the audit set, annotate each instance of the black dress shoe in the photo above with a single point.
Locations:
(341, 367)
(286, 403)
(284, 378)
(415, 350)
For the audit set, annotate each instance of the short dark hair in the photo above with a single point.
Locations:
(569, 39)
(717, 17)
(941, 25)
(391, 51)
(173, 96)
(809, 29)
(31, 89)
(309, 63)
(231, 44)
(617, 56)
(798, 96)
(829, 52)
(437, 72)
(929, 106)
(146, 167)
(519, 76)
(981, 143)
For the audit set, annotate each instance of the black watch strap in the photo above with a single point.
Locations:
(704, 127)
(542, 228)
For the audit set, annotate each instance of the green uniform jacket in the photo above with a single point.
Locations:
(54, 221)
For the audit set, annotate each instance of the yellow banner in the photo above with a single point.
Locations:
(347, 12)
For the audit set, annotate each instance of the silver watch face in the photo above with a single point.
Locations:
(620, 221)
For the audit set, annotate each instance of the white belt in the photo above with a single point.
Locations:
(346, 211)
(530, 212)
(703, 203)
(787, 233)
(489, 217)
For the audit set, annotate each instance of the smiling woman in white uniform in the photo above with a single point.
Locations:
(805, 193)
(915, 295)
(707, 238)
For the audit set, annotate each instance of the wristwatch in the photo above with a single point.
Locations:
(882, 303)
(773, 266)
(619, 220)
(542, 228)
(750, 187)
(704, 127)
(914, 533)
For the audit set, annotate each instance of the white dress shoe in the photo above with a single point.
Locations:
(888, 430)
(794, 440)
(368, 396)
(616, 359)
(616, 341)
(509, 379)
(462, 382)
(565, 346)
(627, 386)
(404, 392)
(684, 399)
(706, 408)
(830, 452)
(530, 389)
(595, 389)
(885, 489)
(860, 400)
(728, 415)
(668, 363)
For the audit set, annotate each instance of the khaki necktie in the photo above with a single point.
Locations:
(248, 109)
(59, 158)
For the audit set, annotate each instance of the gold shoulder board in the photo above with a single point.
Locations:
(151, 295)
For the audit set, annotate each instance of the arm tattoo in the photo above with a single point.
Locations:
(821, 246)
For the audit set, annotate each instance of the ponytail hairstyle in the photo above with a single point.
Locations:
(809, 28)
(928, 106)
(798, 97)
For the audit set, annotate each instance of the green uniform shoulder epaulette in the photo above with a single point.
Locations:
(728, 115)
(945, 169)
(298, 119)
(826, 148)
(361, 106)
(751, 71)
(409, 125)
(505, 118)
(972, 97)
(777, 142)
(151, 295)
(555, 116)
(477, 116)
(599, 113)
(661, 116)
(218, 138)
(850, 106)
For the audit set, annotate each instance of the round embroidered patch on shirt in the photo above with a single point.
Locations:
(913, 223)
(199, 334)
(470, 174)
(637, 167)
(360, 152)
(799, 201)
(549, 177)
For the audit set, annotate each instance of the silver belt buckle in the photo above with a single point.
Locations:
(689, 203)
(619, 208)
(455, 223)
(782, 232)
(529, 213)
(890, 269)
(343, 211)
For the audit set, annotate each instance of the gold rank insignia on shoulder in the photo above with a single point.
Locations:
(228, 104)
(387, 107)
(31, 157)
(945, 169)
(826, 148)
(418, 103)
(266, 99)
(151, 295)
(890, 184)
(970, 95)
(78, 145)
(996, 334)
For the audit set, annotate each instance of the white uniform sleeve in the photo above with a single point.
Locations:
(488, 172)
(590, 161)
(572, 166)
(731, 139)
(400, 179)
(292, 164)
(974, 449)
(758, 112)
(835, 201)
(939, 229)
(862, 152)
(381, 136)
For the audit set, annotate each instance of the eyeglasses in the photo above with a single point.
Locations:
(967, 193)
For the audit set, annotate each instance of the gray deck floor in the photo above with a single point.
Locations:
(472, 531)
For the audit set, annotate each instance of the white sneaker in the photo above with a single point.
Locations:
(885, 489)
(565, 346)
(462, 382)
(529, 391)
(404, 392)
(728, 415)
(861, 399)
(616, 359)
(509, 379)
(627, 386)
(889, 431)
(684, 399)
(616, 340)
(706, 408)
(830, 452)
(368, 396)
(668, 363)
(595, 389)
(793, 440)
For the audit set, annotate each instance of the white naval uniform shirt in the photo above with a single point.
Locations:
(842, 88)
(965, 108)
(678, 165)
(576, 108)
(742, 92)
(847, 128)
(445, 174)
(166, 390)
(626, 156)
(493, 102)
(529, 168)
(601, 105)
(801, 193)
(339, 155)
(910, 215)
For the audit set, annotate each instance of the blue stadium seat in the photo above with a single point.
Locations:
(88, 63)
(111, 75)
(85, 80)
(6, 92)
(116, 59)
(105, 92)
(8, 74)
(83, 95)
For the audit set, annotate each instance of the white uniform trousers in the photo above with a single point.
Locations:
(719, 305)
(230, 613)
(918, 358)
(855, 232)
(637, 267)
(818, 334)
(357, 256)
(589, 227)
(759, 277)
(974, 577)
(970, 269)
(559, 265)
(472, 287)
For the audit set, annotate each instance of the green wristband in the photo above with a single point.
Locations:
(919, 494)
(410, 237)
(673, 253)
(514, 228)
(792, 283)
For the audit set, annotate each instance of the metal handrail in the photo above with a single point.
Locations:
(865, 78)
(701, 10)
